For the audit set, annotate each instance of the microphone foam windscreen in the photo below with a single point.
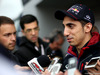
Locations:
(44, 60)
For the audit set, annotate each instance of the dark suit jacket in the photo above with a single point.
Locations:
(27, 50)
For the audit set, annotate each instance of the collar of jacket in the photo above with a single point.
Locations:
(24, 40)
(95, 39)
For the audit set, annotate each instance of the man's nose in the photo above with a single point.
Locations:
(66, 32)
(33, 32)
(13, 37)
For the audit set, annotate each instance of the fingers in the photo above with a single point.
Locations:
(86, 63)
(98, 62)
(17, 67)
(94, 71)
(60, 73)
(46, 72)
(77, 72)
(66, 73)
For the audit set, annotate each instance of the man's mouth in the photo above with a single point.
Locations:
(34, 38)
(12, 44)
(69, 40)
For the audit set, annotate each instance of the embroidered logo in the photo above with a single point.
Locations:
(87, 17)
(75, 9)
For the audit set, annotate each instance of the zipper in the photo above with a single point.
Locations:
(84, 60)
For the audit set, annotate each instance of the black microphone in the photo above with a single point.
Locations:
(38, 64)
(44, 60)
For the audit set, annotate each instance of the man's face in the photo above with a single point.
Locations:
(58, 43)
(8, 36)
(74, 32)
(31, 31)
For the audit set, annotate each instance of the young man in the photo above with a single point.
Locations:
(8, 41)
(31, 45)
(78, 21)
(7, 36)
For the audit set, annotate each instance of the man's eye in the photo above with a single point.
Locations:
(7, 35)
(29, 30)
(71, 26)
(14, 33)
(36, 28)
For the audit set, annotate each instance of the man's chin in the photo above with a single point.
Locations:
(34, 41)
(11, 49)
(72, 44)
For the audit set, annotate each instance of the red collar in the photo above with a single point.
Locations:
(95, 38)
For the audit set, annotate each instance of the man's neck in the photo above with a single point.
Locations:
(81, 45)
(37, 44)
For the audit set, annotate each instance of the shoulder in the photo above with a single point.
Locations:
(21, 51)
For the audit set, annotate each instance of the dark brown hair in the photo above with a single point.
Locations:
(5, 20)
(84, 23)
(27, 19)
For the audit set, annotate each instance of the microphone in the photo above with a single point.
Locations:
(44, 60)
(55, 66)
(38, 64)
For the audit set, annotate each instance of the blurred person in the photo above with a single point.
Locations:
(7, 36)
(30, 44)
(46, 39)
(8, 41)
(78, 21)
(56, 40)
(95, 29)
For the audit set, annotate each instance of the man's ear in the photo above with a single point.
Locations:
(88, 27)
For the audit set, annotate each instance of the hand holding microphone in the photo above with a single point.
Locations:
(39, 64)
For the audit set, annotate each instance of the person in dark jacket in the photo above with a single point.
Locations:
(56, 39)
(78, 22)
(7, 44)
(31, 45)
(4, 52)
(7, 37)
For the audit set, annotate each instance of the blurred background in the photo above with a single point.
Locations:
(44, 11)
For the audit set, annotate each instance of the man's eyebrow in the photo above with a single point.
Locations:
(70, 24)
(10, 33)
(29, 29)
(15, 32)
